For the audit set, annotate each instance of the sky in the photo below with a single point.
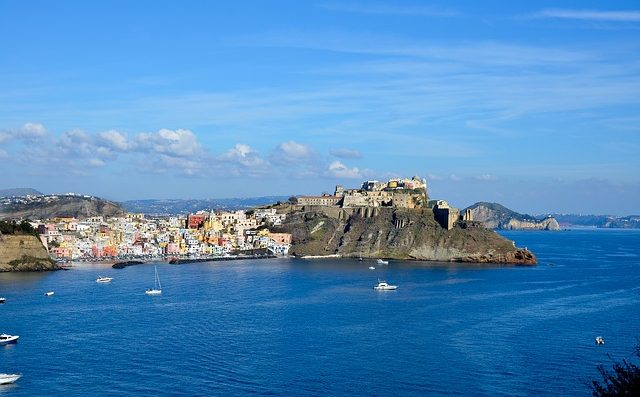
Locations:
(535, 105)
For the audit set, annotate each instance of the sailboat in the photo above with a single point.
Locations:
(157, 287)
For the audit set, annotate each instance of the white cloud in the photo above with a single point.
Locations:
(76, 142)
(346, 153)
(32, 131)
(244, 156)
(28, 132)
(593, 15)
(115, 140)
(294, 150)
(176, 143)
(455, 178)
(339, 170)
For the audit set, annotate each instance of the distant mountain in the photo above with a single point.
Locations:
(53, 205)
(600, 221)
(182, 206)
(20, 191)
(496, 216)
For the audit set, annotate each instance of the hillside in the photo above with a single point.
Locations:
(21, 191)
(50, 206)
(183, 206)
(396, 234)
(496, 216)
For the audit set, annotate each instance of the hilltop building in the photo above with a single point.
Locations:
(397, 193)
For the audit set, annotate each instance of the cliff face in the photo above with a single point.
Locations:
(20, 253)
(396, 234)
(496, 216)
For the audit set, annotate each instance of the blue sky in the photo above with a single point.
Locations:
(531, 104)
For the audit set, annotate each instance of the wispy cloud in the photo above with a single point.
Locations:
(346, 153)
(591, 15)
(388, 9)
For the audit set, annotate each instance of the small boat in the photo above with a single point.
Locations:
(599, 340)
(6, 379)
(372, 268)
(383, 286)
(6, 339)
(101, 279)
(50, 293)
(381, 262)
(157, 287)
(2, 300)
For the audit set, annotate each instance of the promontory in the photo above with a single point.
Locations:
(396, 220)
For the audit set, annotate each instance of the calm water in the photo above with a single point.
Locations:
(295, 327)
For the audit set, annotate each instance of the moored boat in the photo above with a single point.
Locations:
(5, 379)
(381, 262)
(6, 339)
(157, 287)
(384, 286)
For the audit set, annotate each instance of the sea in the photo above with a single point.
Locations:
(298, 327)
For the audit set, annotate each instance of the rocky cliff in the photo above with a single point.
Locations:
(23, 252)
(496, 216)
(395, 234)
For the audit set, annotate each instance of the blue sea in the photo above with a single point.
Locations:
(317, 327)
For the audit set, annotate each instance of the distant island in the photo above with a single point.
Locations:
(598, 221)
(496, 216)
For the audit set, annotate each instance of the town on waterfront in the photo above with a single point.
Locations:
(208, 233)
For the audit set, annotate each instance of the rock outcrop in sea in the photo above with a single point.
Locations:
(395, 233)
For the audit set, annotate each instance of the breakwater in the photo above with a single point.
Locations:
(122, 265)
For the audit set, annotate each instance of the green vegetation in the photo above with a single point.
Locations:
(622, 380)
(13, 227)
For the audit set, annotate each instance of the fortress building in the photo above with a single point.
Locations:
(397, 193)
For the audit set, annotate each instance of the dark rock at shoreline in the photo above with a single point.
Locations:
(122, 265)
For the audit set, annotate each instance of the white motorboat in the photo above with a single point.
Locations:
(101, 279)
(372, 268)
(384, 286)
(157, 287)
(5, 379)
(599, 340)
(2, 300)
(6, 339)
(381, 262)
(50, 293)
